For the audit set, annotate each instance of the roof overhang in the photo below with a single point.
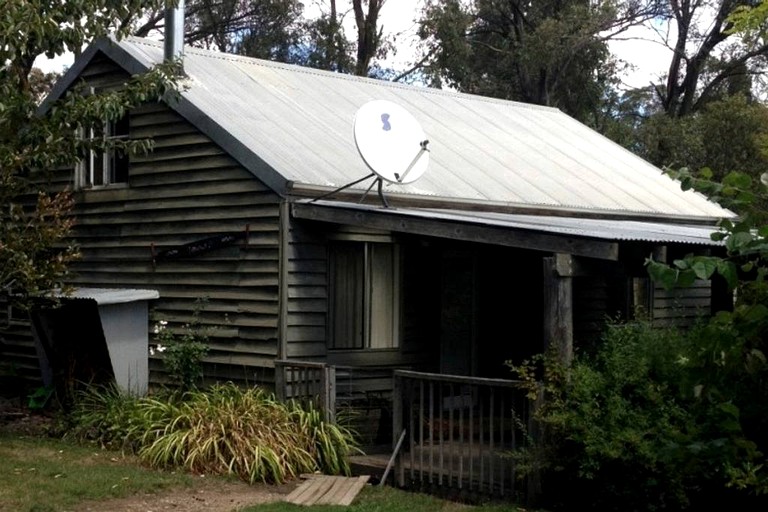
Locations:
(592, 238)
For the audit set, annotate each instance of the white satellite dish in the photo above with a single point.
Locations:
(391, 142)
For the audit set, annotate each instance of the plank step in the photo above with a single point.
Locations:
(327, 490)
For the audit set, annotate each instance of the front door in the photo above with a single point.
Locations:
(458, 314)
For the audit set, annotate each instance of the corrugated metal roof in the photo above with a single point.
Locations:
(104, 296)
(299, 122)
(614, 230)
(600, 229)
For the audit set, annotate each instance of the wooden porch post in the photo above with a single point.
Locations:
(558, 306)
(280, 381)
(328, 392)
(397, 427)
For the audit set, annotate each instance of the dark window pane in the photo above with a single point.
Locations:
(347, 287)
(118, 167)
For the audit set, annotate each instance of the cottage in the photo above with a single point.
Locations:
(528, 228)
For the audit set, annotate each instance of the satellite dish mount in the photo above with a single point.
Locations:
(392, 145)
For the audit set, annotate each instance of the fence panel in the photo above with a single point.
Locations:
(460, 433)
(307, 382)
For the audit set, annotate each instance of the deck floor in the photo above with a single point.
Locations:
(450, 465)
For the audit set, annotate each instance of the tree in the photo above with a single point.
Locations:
(549, 53)
(369, 36)
(675, 419)
(327, 47)
(730, 366)
(277, 30)
(706, 52)
(267, 29)
(35, 220)
(727, 133)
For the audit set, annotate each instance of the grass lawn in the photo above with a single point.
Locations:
(385, 499)
(39, 474)
(46, 475)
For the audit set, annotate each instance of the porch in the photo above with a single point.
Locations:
(447, 434)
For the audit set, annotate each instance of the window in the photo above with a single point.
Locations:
(365, 295)
(99, 168)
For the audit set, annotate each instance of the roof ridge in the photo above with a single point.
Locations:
(213, 54)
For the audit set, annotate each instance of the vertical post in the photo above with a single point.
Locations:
(412, 434)
(422, 423)
(397, 425)
(558, 308)
(431, 424)
(280, 381)
(328, 392)
(283, 278)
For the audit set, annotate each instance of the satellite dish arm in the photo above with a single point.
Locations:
(423, 146)
(342, 188)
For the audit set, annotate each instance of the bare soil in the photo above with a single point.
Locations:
(206, 496)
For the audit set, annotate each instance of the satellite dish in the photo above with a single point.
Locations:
(391, 142)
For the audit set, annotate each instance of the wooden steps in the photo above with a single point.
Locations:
(327, 490)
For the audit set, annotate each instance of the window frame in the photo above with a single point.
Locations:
(393, 296)
(109, 159)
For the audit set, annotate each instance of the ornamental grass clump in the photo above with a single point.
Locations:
(106, 415)
(225, 429)
(329, 444)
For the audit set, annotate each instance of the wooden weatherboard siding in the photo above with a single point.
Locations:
(681, 307)
(188, 190)
(307, 292)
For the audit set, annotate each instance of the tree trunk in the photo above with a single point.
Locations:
(368, 36)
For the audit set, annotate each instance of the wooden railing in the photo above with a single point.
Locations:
(459, 432)
(307, 382)
(360, 397)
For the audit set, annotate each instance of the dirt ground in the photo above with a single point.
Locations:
(205, 495)
(208, 496)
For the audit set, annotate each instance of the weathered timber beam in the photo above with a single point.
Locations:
(568, 265)
(558, 311)
(397, 221)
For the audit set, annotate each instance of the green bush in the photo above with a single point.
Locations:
(631, 428)
(183, 348)
(106, 415)
(223, 430)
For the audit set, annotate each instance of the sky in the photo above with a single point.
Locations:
(640, 46)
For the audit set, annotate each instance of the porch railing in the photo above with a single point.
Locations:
(305, 382)
(359, 397)
(459, 432)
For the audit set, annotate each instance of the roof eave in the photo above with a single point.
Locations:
(395, 199)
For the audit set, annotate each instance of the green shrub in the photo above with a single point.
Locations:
(106, 415)
(329, 444)
(225, 429)
(183, 349)
(629, 428)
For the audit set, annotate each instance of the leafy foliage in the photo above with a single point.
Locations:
(183, 349)
(548, 53)
(644, 424)
(106, 415)
(744, 237)
(278, 30)
(683, 416)
(33, 224)
(705, 54)
(223, 430)
(727, 134)
(731, 364)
